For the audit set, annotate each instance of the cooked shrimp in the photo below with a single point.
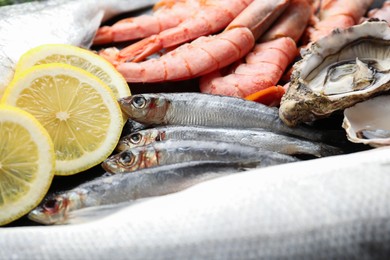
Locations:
(207, 54)
(263, 68)
(166, 14)
(338, 14)
(214, 16)
(265, 65)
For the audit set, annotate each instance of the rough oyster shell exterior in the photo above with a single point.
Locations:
(368, 122)
(306, 99)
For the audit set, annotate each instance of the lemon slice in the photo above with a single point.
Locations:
(78, 57)
(26, 163)
(80, 113)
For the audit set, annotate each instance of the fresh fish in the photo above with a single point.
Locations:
(175, 151)
(119, 188)
(75, 22)
(329, 208)
(209, 110)
(253, 137)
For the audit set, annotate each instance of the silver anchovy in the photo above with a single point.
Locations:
(75, 22)
(329, 208)
(260, 138)
(209, 110)
(175, 151)
(113, 189)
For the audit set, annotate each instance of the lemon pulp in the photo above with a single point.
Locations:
(78, 57)
(26, 163)
(78, 110)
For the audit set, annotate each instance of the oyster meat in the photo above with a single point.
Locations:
(338, 71)
(368, 122)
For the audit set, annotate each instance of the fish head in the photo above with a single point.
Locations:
(126, 161)
(52, 211)
(139, 138)
(145, 108)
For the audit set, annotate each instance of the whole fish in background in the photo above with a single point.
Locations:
(113, 189)
(24, 26)
(260, 138)
(329, 208)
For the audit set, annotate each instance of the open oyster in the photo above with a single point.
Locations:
(338, 71)
(368, 122)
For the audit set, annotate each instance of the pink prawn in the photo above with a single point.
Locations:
(206, 54)
(166, 14)
(265, 65)
(213, 16)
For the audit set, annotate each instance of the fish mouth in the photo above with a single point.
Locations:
(40, 217)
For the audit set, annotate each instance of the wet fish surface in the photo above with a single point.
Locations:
(175, 151)
(24, 26)
(209, 110)
(259, 138)
(113, 189)
(328, 208)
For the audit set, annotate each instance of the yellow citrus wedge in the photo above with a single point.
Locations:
(26, 163)
(78, 57)
(79, 111)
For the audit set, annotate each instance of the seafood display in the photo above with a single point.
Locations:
(367, 123)
(260, 138)
(107, 190)
(329, 208)
(338, 71)
(176, 151)
(204, 54)
(217, 175)
(209, 110)
(55, 21)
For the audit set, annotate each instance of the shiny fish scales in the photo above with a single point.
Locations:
(328, 208)
(260, 138)
(208, 110)
(175, 151)
(108, 190)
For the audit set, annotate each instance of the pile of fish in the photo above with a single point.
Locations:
(181, 139)
(328, 208)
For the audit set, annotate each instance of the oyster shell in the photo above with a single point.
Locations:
(368, 122)
(338, 71)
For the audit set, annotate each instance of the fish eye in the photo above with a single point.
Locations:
(52, 205)
(139, 102)
(126, 158)
(135, 138)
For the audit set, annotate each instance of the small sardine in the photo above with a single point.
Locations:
(209, 110)
(107, 190)
(260, 138)
(174, 151)
(24, 26)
